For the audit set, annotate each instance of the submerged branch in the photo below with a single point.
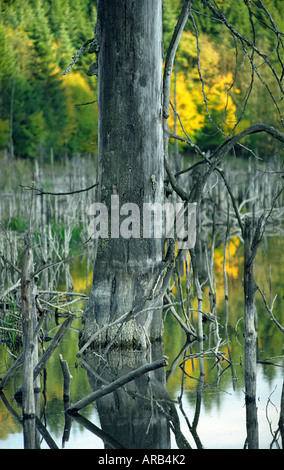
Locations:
(106, 389)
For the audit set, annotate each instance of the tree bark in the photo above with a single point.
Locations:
(130, 155)
(251, 243)
(30, 352)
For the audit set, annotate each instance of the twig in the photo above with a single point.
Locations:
(181, 193)
(10, 289)
(187, 330)
(85, 104)
(188, 139)
(10, 329)
(77, 55)
(40, 192)
(270, 310)
(243, 39)
(11, 264)
(59, 306)
(50, 265)
(221, 172)
(58, 293)
(229, 143)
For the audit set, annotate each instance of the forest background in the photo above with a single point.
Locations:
(43, 112)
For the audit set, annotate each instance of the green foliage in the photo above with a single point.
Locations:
(37, 41)
(19, 172)
(170, 14)
(17, 223)
(11, 335)
(4, 132)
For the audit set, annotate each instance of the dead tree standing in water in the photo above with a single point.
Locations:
(30, 349)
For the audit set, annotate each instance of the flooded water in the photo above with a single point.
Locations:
(180, 408)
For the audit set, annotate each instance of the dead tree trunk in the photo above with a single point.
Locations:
(30, 351)
(251, 243)
(250, 312)
(130, 155)
(281, 417)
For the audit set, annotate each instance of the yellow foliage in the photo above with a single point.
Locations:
(232, 262)
(80, 283)
(191, 107)
(75, 79)
(55, 70)
(23, 49)
(187, 54)
(221, 102)
(187, 93)
(187, 99)
(78, 91)
(209, 60)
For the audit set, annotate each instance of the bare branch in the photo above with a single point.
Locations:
(106, 389)
(270, 310)
(243, 39)
(183, 195)
(229, 143)
(221, 172)
(189, 332)
(36, 273)
(10, 289)
(85, 104)
(11, 264)
(277, 32)
(188, 140)
(40, 192)
(171, 55)
(201, 76)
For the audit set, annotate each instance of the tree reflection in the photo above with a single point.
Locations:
(135, 415)
(141, 414)
(251, 424)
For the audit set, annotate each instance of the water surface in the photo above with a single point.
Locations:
(214, 405)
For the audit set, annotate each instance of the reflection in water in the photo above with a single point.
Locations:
(251, 424)
(136, 415)
(140, 414)
(143, 414)
(176, 408)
